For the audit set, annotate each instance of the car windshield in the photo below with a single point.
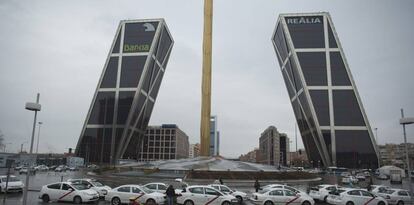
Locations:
(97, 184)
(80, 186)
(146, 190)
(11, 179)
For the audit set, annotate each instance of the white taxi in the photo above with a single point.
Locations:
(157, 187)
(198, 195)
(14, 184)
(281, 186)
(354, 197)
(240, 196)
(122, 195)
(321, 192)
(66, 191)
(397, 196)
(93, 184)
(279, 196)
(379, 189)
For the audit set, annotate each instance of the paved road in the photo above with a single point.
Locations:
(16, 199)
(40, 179)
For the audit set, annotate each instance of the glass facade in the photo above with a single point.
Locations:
(214, 137)
(122, 105)
(327, 108)
(313, 66)
(306, 31)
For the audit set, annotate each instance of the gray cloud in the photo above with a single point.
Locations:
(58, 48)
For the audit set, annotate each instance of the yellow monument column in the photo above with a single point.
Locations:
(206, 79)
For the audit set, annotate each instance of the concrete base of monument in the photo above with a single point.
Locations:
(209, 169)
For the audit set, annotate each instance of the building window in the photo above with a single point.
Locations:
(338, 70)
(321, 104)
(306, 31)
(131, 70)
(313, 66)
(346, 109)
(111, 72)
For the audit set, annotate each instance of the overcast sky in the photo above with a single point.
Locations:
(58, 48)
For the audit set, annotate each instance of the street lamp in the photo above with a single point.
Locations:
(36, 107)
(290, 154)
(379, 153)
(406, 121)
(38, 137)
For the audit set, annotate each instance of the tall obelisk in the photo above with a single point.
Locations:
(206, 79)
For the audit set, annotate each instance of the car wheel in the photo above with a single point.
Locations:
(77, 200)
(45, 198)
(268, 203)
(381, 203)
(240, 199)
(324, 199)
(400, 203)
(349, 203)
(116, 201)
(188, 202)
(150, 202)
(226, 203)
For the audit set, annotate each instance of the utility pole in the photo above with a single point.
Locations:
(296, 140)
(36, 108)
(206, 79)
(38, 137)
(379, 153)
(405, 121)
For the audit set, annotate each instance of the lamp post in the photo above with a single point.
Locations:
(290, 154)
(406, 121)
(379, 153)
(38, 137)
(32, 107)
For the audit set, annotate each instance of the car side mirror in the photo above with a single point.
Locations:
(70, 189)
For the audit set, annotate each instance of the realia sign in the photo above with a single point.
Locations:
(305, 20)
